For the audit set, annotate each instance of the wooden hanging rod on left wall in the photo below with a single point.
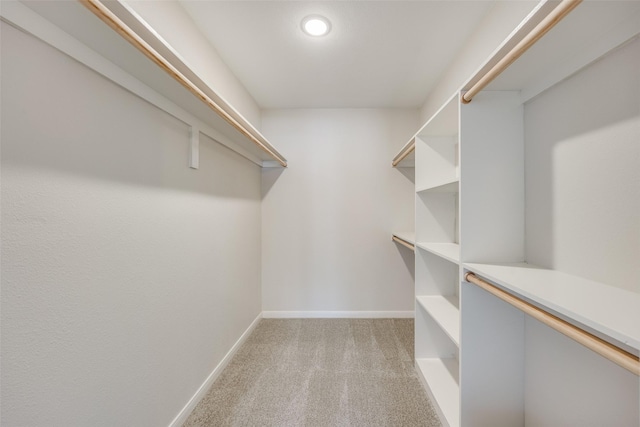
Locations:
(113, 21)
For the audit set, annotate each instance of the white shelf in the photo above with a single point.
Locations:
(445, 311)
(451, 186)
(448, 251)
(607, 310)
(440, 377)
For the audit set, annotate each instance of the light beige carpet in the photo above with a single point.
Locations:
(320, 372)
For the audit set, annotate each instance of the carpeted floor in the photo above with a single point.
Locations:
(320, 372)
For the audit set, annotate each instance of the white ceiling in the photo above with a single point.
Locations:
(378, 54)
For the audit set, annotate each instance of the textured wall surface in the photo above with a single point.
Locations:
(126, 276)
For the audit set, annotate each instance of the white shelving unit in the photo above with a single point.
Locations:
(531, 187)
(437, 327)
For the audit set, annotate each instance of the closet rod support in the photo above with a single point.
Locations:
(194, 149)
(529, 40)
(605, 349)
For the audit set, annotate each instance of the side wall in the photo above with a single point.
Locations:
(583, 183)
(328, 217)
(126, 276)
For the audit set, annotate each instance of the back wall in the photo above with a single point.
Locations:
(327, 219)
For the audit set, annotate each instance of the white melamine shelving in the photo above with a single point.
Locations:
(437, 330)
(448, 251)
(541, 221)
(440, 377)
(578, 300)
(444, 310)
(531, 187)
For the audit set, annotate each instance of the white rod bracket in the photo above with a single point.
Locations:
(194, 151)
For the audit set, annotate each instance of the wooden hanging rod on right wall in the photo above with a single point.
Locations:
(605, 349)
(555, 16)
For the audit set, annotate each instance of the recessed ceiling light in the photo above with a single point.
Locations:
(316, 25)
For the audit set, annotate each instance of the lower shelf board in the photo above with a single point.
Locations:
(440, 378)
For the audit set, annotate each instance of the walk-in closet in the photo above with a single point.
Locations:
(320, 213)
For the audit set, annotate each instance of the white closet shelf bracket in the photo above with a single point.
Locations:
(555, 16)
(605, 349)
(220, 107)
(194, 149)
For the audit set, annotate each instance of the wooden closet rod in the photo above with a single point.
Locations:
(538, 31)
(615, 354)
(128, 34)
(406, 151)
(403, 243)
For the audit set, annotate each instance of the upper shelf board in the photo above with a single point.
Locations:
(167, 80)
(587, 33)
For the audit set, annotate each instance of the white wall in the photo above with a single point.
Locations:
(501, 20)
(126, 276)
(582, 176)
(567, 384)
(328, 217)
(169, 19)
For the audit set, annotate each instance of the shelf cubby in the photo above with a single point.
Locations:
(445, 312)
(440, 378)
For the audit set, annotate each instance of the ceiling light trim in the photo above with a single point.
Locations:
(315, 25)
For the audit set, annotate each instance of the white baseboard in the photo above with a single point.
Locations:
(197, 397)
(337, 314)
